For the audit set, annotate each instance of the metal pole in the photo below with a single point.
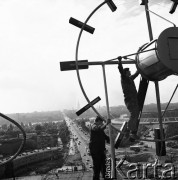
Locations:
(148, 21)
(113, 172)
(159, 111)
(156, 82)
(93, 63)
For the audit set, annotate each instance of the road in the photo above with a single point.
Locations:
(81, 139)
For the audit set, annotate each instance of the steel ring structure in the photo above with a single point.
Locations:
(23, 141)
(76, 55)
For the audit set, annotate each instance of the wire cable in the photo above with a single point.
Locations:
(161, 17)
(169, 101)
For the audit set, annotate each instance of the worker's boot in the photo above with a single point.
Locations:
(133, 136)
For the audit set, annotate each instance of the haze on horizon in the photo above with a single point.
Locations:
(36, 36)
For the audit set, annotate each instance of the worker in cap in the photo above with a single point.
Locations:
(130, 99)
(97, 148)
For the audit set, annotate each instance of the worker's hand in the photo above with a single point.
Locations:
(119, 59)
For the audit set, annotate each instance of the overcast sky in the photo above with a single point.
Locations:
(35, 35)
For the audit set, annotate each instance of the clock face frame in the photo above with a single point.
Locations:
(90, 29)
(83, 25)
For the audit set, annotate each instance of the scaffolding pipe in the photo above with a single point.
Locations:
(93, 63)
(156, 82)
(113, 172)
(159, 114)
(148, 20)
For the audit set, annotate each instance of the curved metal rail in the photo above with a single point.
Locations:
(76, 57)
(22, 144)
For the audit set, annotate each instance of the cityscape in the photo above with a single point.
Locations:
(57, 143)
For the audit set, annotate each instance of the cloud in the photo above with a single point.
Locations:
(131, 9)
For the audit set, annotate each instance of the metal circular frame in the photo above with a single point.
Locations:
(23, 142)
(76, 56)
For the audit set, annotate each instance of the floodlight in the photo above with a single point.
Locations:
(174, 6)
(111, 5)
(142, 2)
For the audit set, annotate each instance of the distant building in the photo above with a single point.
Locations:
(168, 113)
(27, 158)
(59, 142)
(46, 141)
(28, 135)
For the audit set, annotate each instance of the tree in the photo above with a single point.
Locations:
(4, 127)
(22, 124)
(52, 131)
(38, 129)
(64, 133)
(171, 130)
(10, 128)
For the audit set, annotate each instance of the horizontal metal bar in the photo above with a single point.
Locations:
(105, 63)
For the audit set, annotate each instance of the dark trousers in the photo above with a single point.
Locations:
(133, 122)
(99, 165)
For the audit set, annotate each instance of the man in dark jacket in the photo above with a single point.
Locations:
(97, 147)
(130, 99)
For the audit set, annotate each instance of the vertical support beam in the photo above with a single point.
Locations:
(148, 20)
(160, 146)
(156, 82)
(113, 166)
(144, 82)
(159, 114)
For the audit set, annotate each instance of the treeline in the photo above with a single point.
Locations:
(49, 116)
(116, 111)
(25, 118)
(11, 145)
